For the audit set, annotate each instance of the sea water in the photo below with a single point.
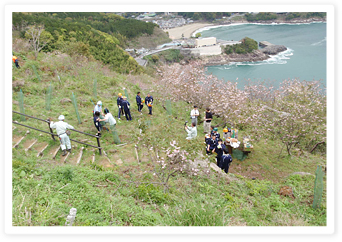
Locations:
(304, 59)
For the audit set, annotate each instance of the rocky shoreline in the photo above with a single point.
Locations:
(223, 59)
(256, 55)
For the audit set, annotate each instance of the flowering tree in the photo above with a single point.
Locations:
(175, 161)
(190, 83)
(295, 113)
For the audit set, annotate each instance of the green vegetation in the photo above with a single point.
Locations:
(167, 56)
(117, 190)
(94, 35)
(247, 46)
(198, 35)
(292, 16)
(106, 193)
(207, 16)
(304, 15)
(260, 16)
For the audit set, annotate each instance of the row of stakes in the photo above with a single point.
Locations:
(40, 153)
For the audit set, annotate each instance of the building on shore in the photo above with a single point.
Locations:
(209, 41)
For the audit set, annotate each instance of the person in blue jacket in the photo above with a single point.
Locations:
(226, 160)
(97, 123)
(219, 151)
(207, 139)
(211, 145)
(139, 103)
(216, 133)
(118, 103)
(125, 104)
(149, 103)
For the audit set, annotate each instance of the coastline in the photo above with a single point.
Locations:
(186, 30)
(190, 30)
(256, 23)
(224, 59)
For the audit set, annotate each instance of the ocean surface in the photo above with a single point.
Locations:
(305, 58)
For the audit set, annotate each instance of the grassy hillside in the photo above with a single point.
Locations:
(149, 41)
(120, 191)
(98, 36)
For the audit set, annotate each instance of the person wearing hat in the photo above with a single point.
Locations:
(194, 114)
(149, 103)
(206, 139)
(16, 61)
(226, 160)
(139, 102)
(215, 132)
(98, 107)
(226, 135)
(61, 128)
(118, 103)
(125, 104)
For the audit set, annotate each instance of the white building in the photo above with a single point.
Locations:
(200, 42)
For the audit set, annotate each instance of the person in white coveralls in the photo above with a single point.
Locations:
(61, 128)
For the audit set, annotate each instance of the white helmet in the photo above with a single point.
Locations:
(61, 117)
(99, 103)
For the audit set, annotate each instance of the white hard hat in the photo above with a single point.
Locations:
(99, 103)
(61, 117)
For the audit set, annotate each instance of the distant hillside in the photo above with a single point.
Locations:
(102, 36)
(150, 41)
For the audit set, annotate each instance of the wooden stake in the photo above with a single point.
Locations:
(136, 152)
(122, 144)
(66, 157)
(102, 185)
(41, 152)
(93, 157)
(55, 153)
(30, 145)
(80, 155)
(27, 132)
(106, 156)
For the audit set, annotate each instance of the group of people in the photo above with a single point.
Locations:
(192, 130)
(124, 106)
(213, 141)
(214, 144)
(101, 119)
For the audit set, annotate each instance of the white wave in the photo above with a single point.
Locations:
(236, 24)
(279, 59)
(320, 42)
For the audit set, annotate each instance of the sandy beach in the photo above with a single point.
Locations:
(187, 30)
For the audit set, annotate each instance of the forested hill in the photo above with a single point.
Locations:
(99, 35)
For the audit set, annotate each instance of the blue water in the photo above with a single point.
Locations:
(305, 58)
